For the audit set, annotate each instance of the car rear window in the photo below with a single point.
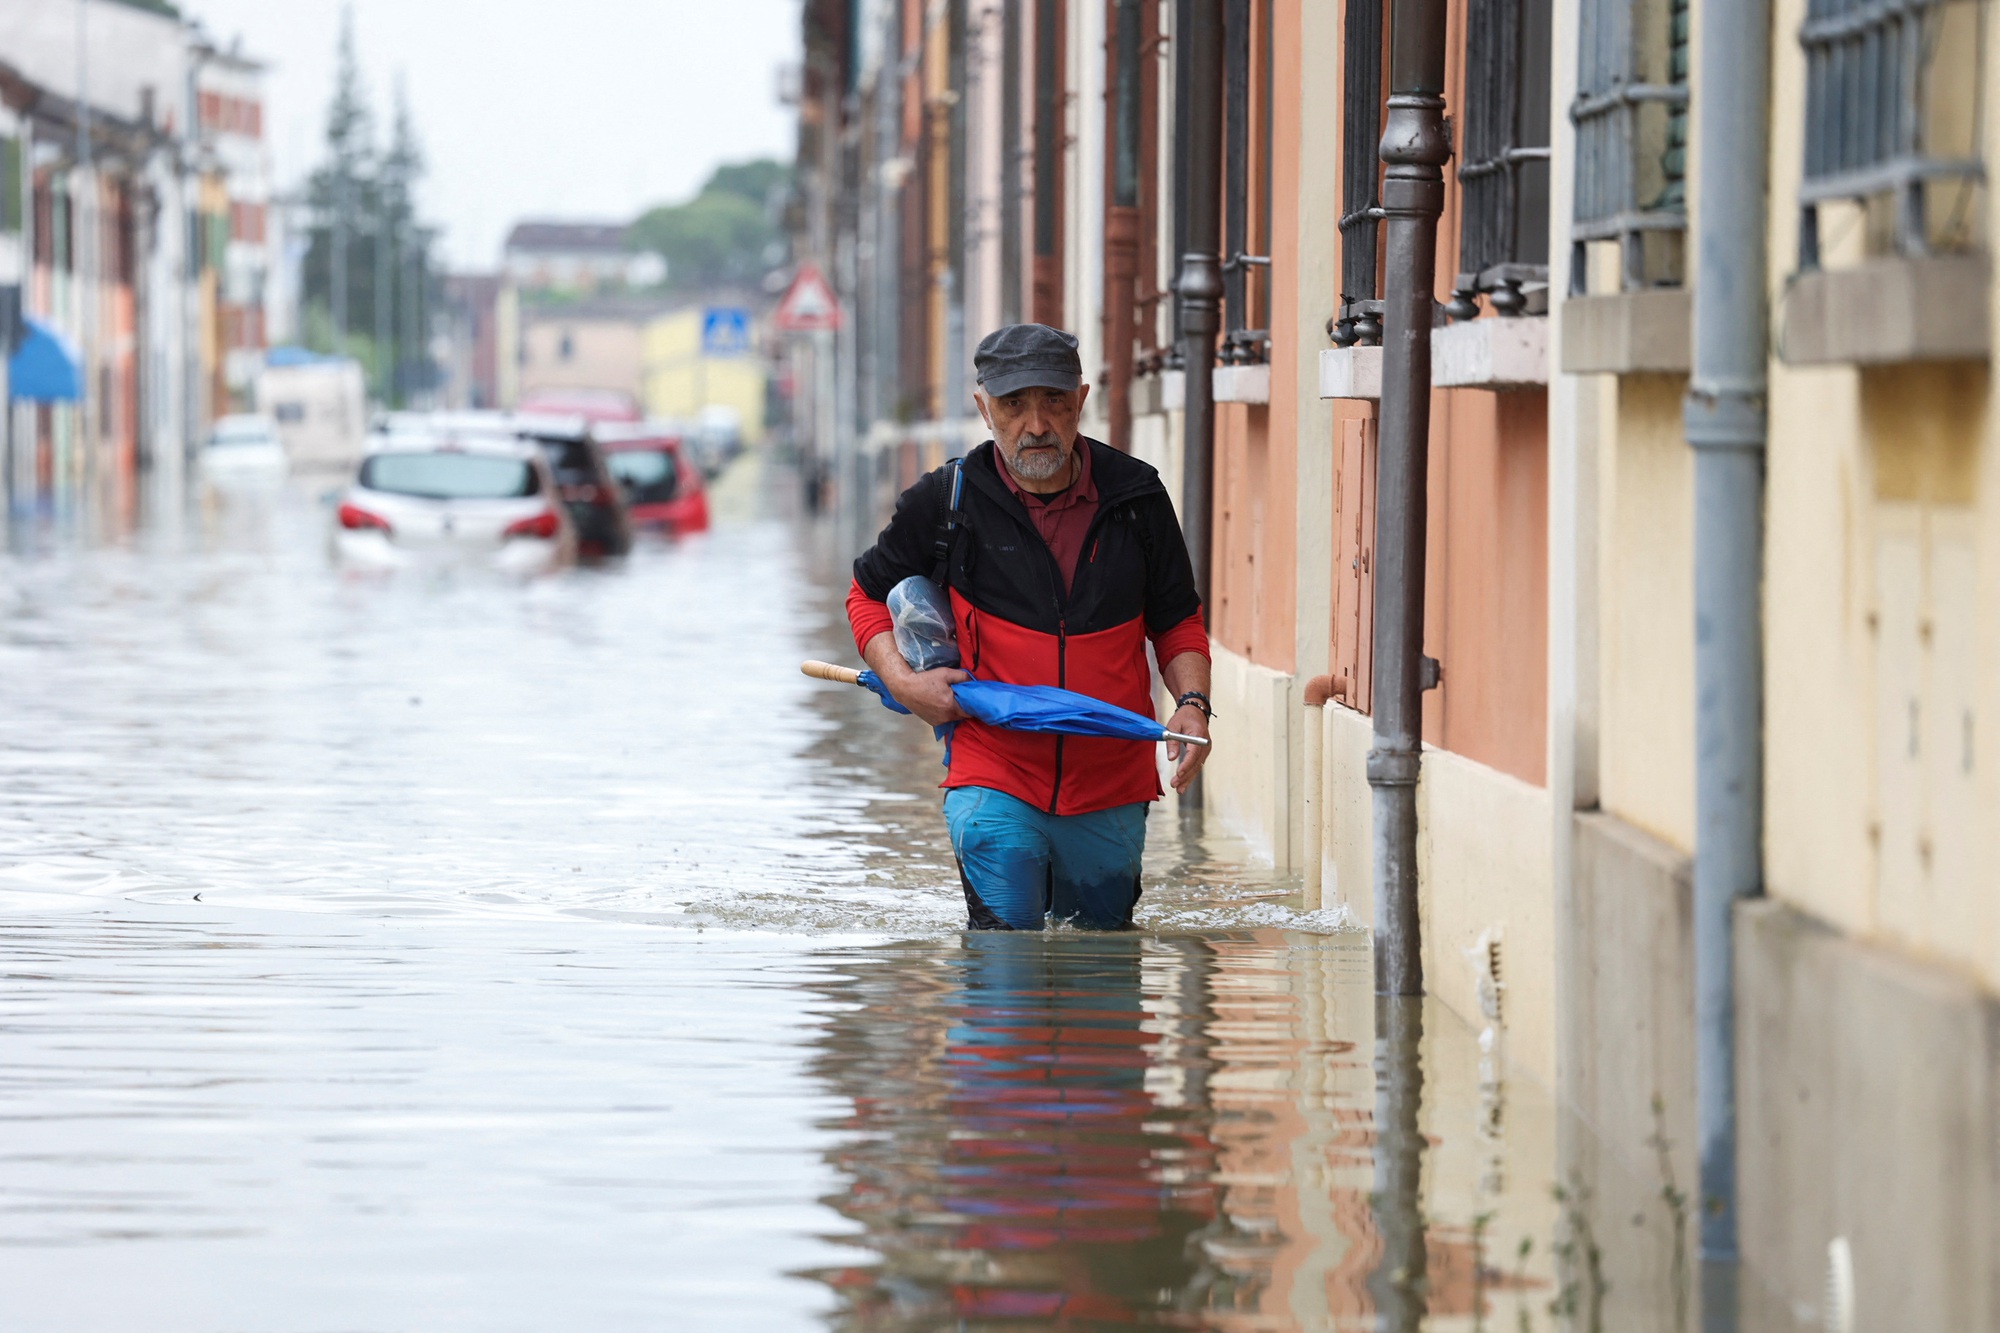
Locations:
(570, 459)
(649, 476)
(450, 476)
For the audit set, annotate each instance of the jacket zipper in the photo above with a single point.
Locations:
(1093, 537)
(1062, 680)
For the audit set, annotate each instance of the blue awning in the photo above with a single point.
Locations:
(287, 357)
(45, 368)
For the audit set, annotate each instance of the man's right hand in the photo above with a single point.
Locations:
(928, 693)
(925, 693)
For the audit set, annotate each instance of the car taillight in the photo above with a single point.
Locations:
(356, 519)
(544, 525)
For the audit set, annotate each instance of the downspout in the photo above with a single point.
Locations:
(1724, 418)
(1011, 195)
(1050, 135)
(1200, 289)
(957, 405)
(1121, 220)
(1415, 147)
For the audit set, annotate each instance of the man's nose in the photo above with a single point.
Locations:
(1037, 421)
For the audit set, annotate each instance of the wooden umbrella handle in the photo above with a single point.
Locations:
(828, 671)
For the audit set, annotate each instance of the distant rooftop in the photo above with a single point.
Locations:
(568, 237)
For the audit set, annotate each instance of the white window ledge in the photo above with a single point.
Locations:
(1496, 353)
(1231, 384)
(1350, 372)
(1242, 384)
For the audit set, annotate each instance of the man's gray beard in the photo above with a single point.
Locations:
(1038, 467)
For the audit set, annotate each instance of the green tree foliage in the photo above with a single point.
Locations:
(723, 237)
(368, 275)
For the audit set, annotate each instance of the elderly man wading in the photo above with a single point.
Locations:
(1063, 559)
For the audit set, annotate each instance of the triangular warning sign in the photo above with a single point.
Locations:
(809, 305)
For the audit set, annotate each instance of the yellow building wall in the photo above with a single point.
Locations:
(1881, 798)
(1485, 864)
(1247, 782)
(680, 381)
(1882, 607)
(1646, 611)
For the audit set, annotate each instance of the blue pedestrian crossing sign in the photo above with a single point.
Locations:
(725, 331)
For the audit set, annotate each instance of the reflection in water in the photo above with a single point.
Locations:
(1106, 1131)
(1012, 1153)
(1399, 1282)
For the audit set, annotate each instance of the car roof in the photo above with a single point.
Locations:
(629, 434)
(593, 404)
(433, 441)
(540, 425)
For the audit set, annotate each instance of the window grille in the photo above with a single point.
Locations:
(1246, 167)
(1360, 319)
(1891, 106)
(1503, 243)
(1630, 115)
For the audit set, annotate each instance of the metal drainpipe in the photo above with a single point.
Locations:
(1415, 147)
(957, 407)
(1200, 289)
(1724, 418)
(1121, 221)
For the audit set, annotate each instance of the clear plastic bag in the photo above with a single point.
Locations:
(926, 634)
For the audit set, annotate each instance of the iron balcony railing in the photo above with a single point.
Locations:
(1875, 108)
(1630, 115)
(1360, 317)
(1504, 183)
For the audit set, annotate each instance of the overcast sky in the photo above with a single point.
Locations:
(534, 108)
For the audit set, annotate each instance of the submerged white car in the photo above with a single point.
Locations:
(243, 449)
(437, 497)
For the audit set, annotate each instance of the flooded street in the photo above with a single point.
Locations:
(442, 952)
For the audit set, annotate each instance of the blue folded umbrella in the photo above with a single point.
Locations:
(1044, 708)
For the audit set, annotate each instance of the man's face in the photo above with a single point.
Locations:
(1035, 429)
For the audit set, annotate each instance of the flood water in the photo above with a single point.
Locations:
(448, 953)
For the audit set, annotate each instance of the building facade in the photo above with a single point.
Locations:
(705, 359)
(132, 188)
(961, 167)
(238, 239)
(578, 258)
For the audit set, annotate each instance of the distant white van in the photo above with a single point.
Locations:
(320, 405)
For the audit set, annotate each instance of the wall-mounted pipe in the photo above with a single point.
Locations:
(1724, 418)
(1200, 289)
(1312, 798)
(1415, 147)
(1123, 61)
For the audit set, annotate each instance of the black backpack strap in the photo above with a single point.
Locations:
(949, 525)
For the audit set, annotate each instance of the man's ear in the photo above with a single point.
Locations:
(1082, 393)
(985, 414)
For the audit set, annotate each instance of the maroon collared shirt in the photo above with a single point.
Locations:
(1063, 518)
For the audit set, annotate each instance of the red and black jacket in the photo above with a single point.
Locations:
(1016, 624)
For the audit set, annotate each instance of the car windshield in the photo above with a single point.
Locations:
(648, 475)
(450, 476)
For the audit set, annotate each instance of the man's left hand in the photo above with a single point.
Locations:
(1189, 721)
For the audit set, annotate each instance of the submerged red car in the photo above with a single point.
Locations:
(663, 487)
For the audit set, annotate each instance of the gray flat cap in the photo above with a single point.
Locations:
(1027, 356)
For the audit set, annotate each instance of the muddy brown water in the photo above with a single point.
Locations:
(445, 953)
